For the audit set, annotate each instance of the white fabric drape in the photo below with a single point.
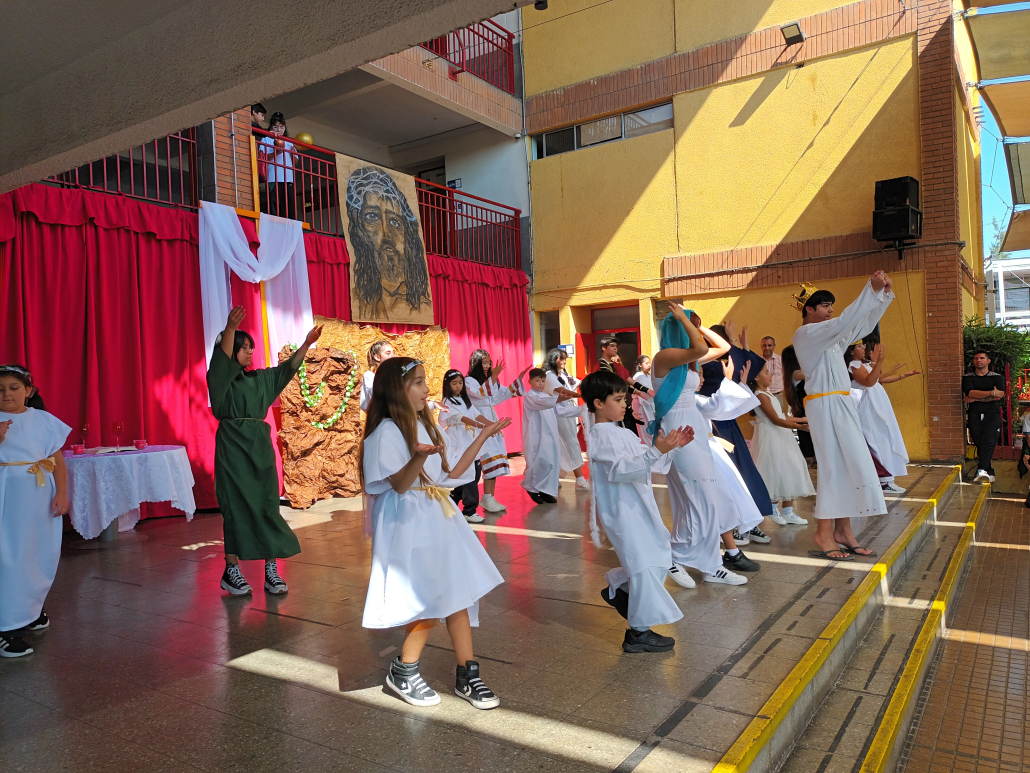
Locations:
(281, 263)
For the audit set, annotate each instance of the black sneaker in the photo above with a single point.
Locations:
(13, 646)
(469, 686)
(757, 535)
(740, 539)
(405, 680)
(620, 603)
(547, 499)
(273, 582)
(536, 497)
(739, 562)
(234, 581)
(646, 641)
(41, 624)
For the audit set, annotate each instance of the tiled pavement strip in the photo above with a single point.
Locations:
(149, 666)
(972, 713)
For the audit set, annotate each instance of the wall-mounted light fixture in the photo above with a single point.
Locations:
(792, 33)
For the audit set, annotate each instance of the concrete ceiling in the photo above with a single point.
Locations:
(85, 80)
(365, 106)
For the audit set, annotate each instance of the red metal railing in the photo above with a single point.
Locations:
(485, 49)
(163, 171)
(298, 181)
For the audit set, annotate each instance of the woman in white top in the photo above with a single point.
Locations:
(561, 383)
(879, 424)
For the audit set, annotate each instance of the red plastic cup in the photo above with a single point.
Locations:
(79, 448)
(140, 444)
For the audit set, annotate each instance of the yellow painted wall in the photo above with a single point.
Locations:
(795, 153)
(769, 311)
(970, 306)
(603, 218)
(575, 40)
(699, 22)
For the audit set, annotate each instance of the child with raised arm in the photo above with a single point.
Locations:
(461, 424)
(427, 564)
(540, 439)
(626, 507)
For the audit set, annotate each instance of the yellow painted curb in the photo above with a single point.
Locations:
(758, 732)
(880, 750)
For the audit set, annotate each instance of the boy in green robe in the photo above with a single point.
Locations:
(246, 481)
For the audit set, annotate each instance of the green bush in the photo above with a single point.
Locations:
(1005, 345)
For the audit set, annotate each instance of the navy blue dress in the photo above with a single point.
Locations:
(730, 430)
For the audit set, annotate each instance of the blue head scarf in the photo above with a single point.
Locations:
(673, 336)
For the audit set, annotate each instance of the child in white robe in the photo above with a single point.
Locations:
(486, 392)
(427, 564)
(378, 352)
(847, 485)
(540, 440)
(33, 497)
(626, 508)
(560, 382)
(461, 424)
(643, 402)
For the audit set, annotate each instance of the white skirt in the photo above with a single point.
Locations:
(571, 455)
(425, 566)
(649, 601)
(737, 508)
(778, 458)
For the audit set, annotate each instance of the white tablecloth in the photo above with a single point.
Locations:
(103, 487)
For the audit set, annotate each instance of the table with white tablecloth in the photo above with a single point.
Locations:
(103, 487)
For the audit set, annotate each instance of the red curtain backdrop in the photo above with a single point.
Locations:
(481, 307)
(100, 299)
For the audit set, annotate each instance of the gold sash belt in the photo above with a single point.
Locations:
(823, 394)
(442, 496)
(37, 468)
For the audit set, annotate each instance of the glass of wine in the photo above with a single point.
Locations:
(118, 428)
(85, 431)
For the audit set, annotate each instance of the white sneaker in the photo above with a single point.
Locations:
(981, 475)
(491, 505)
(777, 518)
(475, 518)
(794, 520)
(726, 577)
(990, 478)
(678, 573)
(583, 484)
(890, 487)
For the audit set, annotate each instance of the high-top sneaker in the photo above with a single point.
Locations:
(740, 539)
(757, 535)
(273, 582)
(405, 680)
(469, 686)
(234, 581)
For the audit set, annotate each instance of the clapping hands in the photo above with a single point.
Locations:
(675, 438)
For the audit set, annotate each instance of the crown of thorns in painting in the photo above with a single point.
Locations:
(389, 261)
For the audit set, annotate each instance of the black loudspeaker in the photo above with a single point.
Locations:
(898, 192)
(897, 223)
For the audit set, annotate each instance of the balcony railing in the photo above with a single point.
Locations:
(162, 171)
(485, 49)
(298, 181)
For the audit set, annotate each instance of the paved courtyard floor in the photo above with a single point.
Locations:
(149, 666)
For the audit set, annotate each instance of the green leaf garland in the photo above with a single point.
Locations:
(312, 402)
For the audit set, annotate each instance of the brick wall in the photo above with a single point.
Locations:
(232, 135)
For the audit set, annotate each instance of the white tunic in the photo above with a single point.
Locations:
(458, 435)
(540, 442)
(494, 457)
(643, 404)
(621, 475)
(425, 565)
(778, 457)
(737, 508)
(692, 483)
(30, 536)
(568, 417)
(366, 389)
(879, 424)
(847, 486)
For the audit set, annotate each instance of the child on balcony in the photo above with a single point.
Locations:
(280, 157)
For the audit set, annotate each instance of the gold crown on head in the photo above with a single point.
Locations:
(802, 297)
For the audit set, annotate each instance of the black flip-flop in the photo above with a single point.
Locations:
(851, 551)
(825, 554)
